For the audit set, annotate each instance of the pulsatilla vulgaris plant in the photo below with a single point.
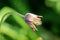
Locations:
(27, 21)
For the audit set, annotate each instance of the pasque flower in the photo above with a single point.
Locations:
(32, 20)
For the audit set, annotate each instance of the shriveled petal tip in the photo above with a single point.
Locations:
(32, 26)
(40, 16)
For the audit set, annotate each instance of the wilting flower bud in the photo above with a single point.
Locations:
(32, 20)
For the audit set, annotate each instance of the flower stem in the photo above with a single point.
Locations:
(5, 16)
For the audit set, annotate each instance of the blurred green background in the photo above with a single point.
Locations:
(15, 28)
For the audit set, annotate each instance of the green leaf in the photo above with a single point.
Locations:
(4, 14)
